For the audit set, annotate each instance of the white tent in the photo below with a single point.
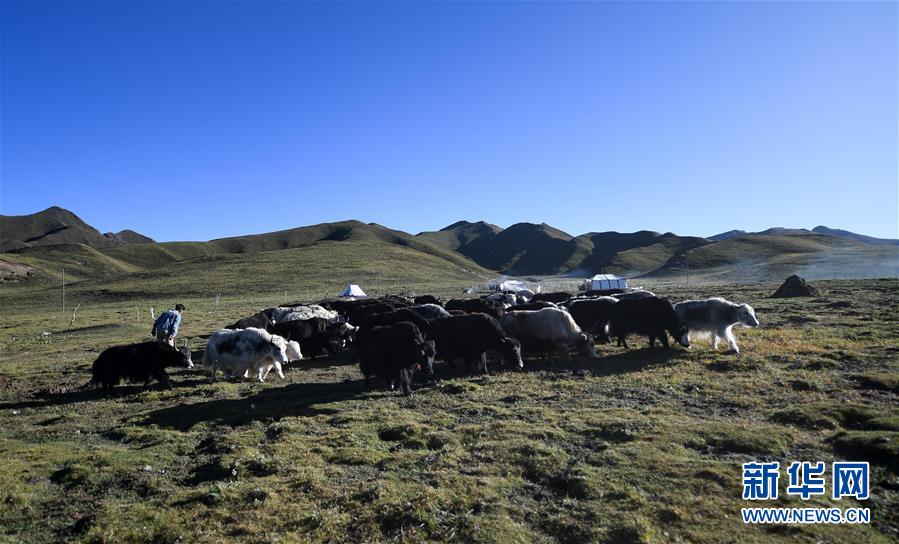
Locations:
(353, 290)
(608, 281)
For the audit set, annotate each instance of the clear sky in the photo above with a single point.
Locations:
(190, 121)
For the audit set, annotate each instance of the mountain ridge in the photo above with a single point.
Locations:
(55, 226)
(52, 237)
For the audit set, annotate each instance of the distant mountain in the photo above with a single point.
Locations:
(782, 231)
(129, 237)
(757, 257)
(774, 231)
(523, 248)
(55, 226)
(48, 241)
(727, 235)
(870, 240)
(37, 246)
(633, 254)
(532, 249)
(461, 236)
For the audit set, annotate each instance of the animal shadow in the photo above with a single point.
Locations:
(632, 360)
(297, 399)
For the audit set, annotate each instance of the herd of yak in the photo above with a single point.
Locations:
(395, 336)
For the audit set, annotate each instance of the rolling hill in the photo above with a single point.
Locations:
(531, 249)
(318, 253)
(37, 247)
(462, 236)
(755, 257)
(820, 229)
(870, 240)
(55, 226)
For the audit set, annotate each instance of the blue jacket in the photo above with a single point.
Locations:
(168, 322)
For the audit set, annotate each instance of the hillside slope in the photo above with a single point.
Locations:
(757, 257)
(532, 249)
(40, 245)
(870, 240)
(38, 266)
(465, 237)
(54, 226)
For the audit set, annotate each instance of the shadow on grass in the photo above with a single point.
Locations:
(297, 399)
(90, 328)
(632, 360)
(344, 358)
(88, 393)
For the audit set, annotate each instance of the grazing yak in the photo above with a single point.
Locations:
(292, 349)
(316, 334)
(524, 295)
(400, 301)
(261, 320)
(301, 312)
(240, 352)
(394, 352)
(476, 305)
(138, 363)
(539, 305)
(358, 314)
(653, 317)
(593, 315)
(389, 318)
(429, 312)
(715, 318)
(637, 293)
(555, 297)
(506, 299)
(602, 292)
(343, 307)
(425, 299)
(548, 330)
(470, 337)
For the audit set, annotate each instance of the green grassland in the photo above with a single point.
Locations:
(38, 247)
(641, 445)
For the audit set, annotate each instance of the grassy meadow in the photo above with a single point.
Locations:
(642, 445)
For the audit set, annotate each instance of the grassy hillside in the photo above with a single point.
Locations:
(344, 231)
(632, 253)
(528, 249)
(638, 260)
(129, 236)
(308, 273)
(821, 229)
(81, 262)
(303, 256)
(463, 237)
(642, 445)
(56, 225)
(758, 257)
(521, 249)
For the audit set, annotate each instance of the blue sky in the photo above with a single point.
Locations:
(190, 121)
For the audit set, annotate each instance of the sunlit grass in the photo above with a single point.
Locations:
(641, 445)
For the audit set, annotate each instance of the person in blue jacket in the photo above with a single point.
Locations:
(166, 326)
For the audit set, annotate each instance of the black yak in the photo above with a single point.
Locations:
(138, 363)
(394, 352)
